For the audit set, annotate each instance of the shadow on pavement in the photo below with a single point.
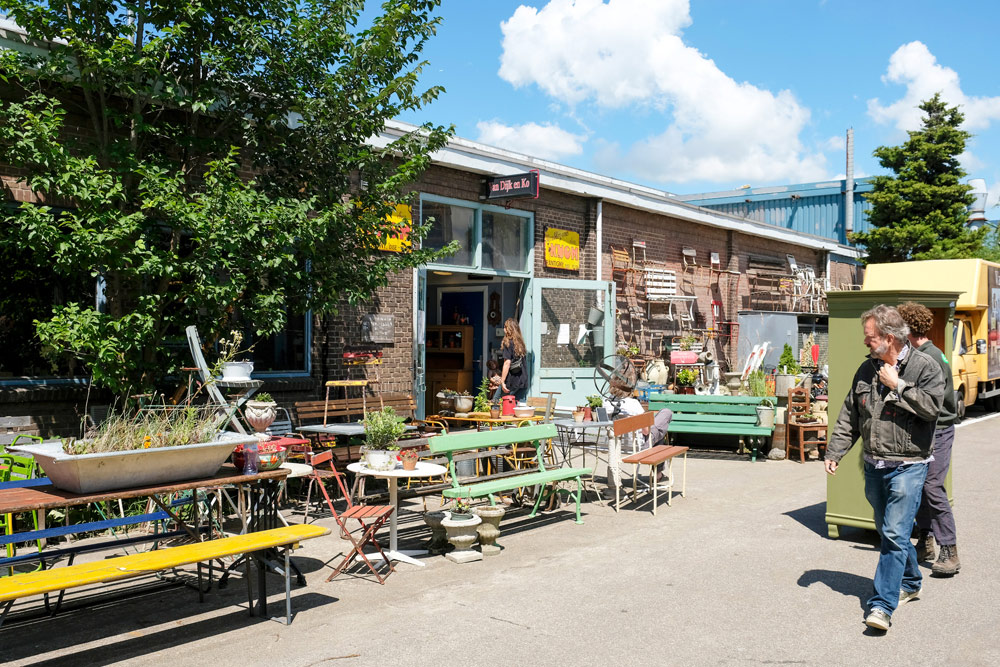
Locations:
(850, 585)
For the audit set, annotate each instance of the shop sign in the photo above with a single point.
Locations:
(400, 222)
(509, 187)
(562, 249)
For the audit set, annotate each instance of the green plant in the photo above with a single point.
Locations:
(409, 453)
(263, 397)
(229, 349)
(767, 403)
(190, 194)
(757, 384)
(787, 362)
(595, 401)
(148, 429)
(383, 429)
(460, 506)
(687, 342)
(482, 401)
(686, 377)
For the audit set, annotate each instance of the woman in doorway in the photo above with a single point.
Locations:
(513, 377)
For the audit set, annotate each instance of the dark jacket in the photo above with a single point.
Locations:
(949, 409)
(894, 426)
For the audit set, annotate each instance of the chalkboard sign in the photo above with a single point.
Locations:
(378, 329)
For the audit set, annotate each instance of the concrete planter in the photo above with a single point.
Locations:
(462, 535)
(489, 529)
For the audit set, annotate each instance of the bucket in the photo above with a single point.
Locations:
(507, 407)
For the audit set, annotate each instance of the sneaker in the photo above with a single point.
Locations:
(906, 596)
(947, 563)
(878, 619)
(926, 547)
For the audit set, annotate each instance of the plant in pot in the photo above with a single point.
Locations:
(460, 510)
(788, 370)
(686, 377)
(383, 428)
(227, 365)
(409, 458)
(260, 411)
(594, 401)
(481, 403)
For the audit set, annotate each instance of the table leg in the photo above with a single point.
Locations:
(394, 553)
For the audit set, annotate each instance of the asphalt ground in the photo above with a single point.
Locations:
(739, 572)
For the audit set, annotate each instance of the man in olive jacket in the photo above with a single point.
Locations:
(892, 406)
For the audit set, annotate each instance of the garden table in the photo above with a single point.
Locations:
(567, 441)
(393, 476)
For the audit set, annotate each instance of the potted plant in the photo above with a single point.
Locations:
(260, 411)
(765, 413)
(594, 401)
(464, 402)
(460, 510)
(687, 342)
(227, 366)
(686, 377)
(788, 371)
(409, 458)
(481, 403)
(382, 431)
(578, 414)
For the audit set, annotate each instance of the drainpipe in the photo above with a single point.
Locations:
(600, 244)
(849, 188)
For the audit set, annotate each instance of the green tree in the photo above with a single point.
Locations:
(921, 212)
(210, 162)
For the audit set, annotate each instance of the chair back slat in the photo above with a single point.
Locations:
(633, 424)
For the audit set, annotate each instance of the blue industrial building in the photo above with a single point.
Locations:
(811, 208)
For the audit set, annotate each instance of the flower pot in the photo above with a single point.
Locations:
(260, 414)
(462, 535)
(106, 471)
(578, 415)
(588, 414)
(463, 404)
(380, 459)
(409, 463)
(237, 371)
(765, 416)
(489, 529)
(461, 516)
(495, 412)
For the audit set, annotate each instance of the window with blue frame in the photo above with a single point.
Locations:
(490, 237)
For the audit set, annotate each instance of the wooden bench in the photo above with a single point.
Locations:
(537, 436)
(133, 565)
(715, 415)
(351, 409)
(653, 457)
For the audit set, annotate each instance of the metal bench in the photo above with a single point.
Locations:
(124, 567)
(535, 436)
(715, 415)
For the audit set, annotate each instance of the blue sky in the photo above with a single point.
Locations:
(714, 94)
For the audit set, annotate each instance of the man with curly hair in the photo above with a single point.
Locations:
(935, 518)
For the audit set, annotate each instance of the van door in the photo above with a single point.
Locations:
(966, 365)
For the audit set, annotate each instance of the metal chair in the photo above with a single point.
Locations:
(376, 515)
(213, 385)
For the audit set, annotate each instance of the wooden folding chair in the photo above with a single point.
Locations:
(318, 477)
(377, 515)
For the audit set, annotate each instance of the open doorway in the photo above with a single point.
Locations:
(465, 314)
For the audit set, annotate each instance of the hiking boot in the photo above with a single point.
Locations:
(925, 547)
(947, 563)
(906, 596)
(878, 619)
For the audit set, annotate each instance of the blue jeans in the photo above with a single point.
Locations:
(895, 494)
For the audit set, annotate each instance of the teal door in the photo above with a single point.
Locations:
(572, 328)
(419, 343)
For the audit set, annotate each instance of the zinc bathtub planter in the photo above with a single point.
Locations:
(107, 471)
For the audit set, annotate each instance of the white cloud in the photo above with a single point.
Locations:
(546, 141)
(627, 53)
(836, 143)
(914, 66)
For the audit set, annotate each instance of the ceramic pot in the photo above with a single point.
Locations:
(463, 404)
(588, 414)
(494, 412)
(380, 459)
(489, 529)
(237, 370)
(260, 414)
(409, 463)
(578, 415)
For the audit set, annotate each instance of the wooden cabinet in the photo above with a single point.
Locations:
(448, 361)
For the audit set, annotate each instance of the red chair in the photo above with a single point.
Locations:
(377, 515)
(318, 477)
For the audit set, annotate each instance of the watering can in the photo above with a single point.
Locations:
(507, 405)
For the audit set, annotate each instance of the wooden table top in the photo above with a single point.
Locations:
(490, 420)
(48, 497)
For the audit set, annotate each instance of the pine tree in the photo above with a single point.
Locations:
(921, 212)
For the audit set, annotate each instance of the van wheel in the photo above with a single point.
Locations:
(960, 405)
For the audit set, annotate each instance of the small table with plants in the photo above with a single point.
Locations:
(568, 441)
(393, 475)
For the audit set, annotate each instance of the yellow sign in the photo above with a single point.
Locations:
(562, 249)
(400, 222)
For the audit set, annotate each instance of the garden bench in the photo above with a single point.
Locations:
(652, 456)
(715, 415)
(536, 436)
(133, 565)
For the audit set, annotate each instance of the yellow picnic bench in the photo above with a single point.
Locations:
(133, 565)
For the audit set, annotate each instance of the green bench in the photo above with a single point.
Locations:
(715, 415)
(526, 436)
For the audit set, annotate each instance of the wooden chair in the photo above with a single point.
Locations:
(377, 515)
(796, 433)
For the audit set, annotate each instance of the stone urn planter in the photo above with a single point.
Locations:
(260, 414)
(462, 535)
(489, 529)
(438, 543)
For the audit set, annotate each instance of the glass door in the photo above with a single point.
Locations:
(572, 330)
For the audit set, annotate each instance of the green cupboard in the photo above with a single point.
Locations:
(845, 492)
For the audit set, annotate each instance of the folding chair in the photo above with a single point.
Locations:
(377, 515)
(318, 476)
